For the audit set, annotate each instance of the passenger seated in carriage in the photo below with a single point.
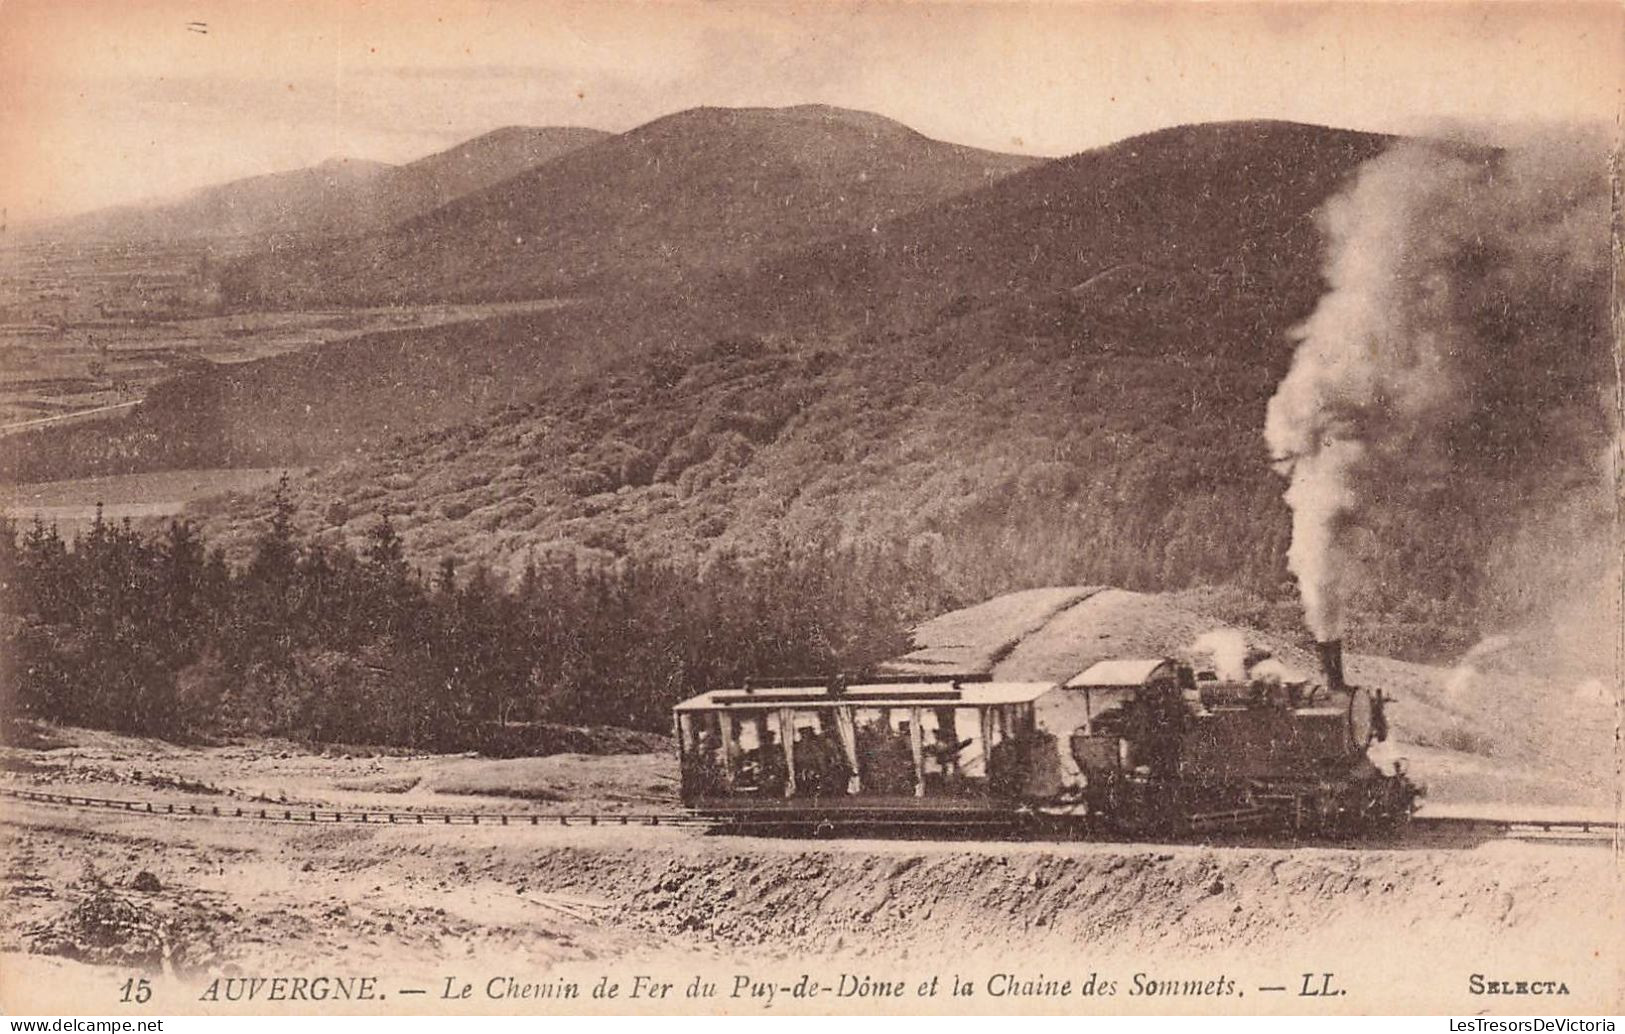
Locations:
(885, 757)
(771, 775)
(821, 768)
(703, 767)
(944, 756)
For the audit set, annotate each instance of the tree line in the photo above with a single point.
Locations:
(157, 633)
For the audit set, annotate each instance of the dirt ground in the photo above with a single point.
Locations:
(94, 898)
(93, 762)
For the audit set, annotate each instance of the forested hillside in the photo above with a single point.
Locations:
(158, 633)
(1003, 474)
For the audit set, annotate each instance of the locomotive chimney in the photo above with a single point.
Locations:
(1331, 662)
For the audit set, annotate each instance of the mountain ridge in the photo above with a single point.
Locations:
(337, 197)
(672, 202)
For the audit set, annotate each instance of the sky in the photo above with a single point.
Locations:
(111, 101)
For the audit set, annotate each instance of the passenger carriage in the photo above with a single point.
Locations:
(893, 749)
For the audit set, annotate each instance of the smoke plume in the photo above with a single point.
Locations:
(1458, 368)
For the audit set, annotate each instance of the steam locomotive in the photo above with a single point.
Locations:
(1193, 754)
(1127, 747)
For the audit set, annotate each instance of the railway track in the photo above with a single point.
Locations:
(1442, 827)
(1519, 829)
(262, 812)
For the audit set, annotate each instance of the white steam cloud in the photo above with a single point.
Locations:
(1272, 670)
(1462, 341)
(1226, 648)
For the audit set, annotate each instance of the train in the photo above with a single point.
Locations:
(1140, 747)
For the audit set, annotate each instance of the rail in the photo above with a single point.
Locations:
(264, 812)
(1517, 827)
(361, 817)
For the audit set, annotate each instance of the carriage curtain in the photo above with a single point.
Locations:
(787, 736)
(849, 745)
(730, 745)
(916, 745)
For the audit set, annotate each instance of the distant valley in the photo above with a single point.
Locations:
(97, 309)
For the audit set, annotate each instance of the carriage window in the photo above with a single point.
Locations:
(885, 752)
(747, 752)
(1107, 706)
(821, 769)
(973, 732)
(940, 749)
(704, 764)
(1011, 730)
(1021, 720)
(760, 765)
(706, 743)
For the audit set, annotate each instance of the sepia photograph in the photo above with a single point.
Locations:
(811, 507)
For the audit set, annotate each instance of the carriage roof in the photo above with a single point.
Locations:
(860, 694)
(1124, 672)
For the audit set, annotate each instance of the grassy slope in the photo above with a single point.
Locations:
(1212, 261)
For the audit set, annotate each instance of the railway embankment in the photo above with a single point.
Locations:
(94, 888)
